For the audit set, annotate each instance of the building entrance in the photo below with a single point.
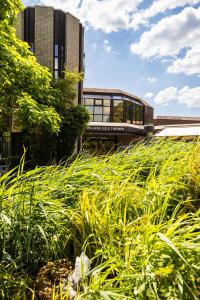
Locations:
(100, 145)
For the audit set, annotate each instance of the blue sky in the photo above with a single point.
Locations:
(150, 48)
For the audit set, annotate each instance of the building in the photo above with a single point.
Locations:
(55, 37)
(57, 40)
(163, 121)
(117, 119)
(177, 127)
(189, 132)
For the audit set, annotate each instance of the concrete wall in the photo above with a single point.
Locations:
(72, 43)
(20, 26)
(44, 36)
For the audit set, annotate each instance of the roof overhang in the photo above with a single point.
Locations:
(116, 128)
(179, 131)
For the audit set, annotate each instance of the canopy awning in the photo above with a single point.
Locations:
(179, 131)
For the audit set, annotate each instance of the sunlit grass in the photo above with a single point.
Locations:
(134, 213)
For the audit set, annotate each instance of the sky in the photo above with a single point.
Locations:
(150, 48)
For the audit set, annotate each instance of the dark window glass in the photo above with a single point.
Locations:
(129, 112)
(118, 111)
(134, 113)
(117, 119)
(29, 26)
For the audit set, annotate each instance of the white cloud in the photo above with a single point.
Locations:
(67, 5)
(106, 45)
(159, 6)
(188, 65)
(149, 95)
(114, 15)
(170, 35)
(152, 79)
(188, 96)
(166, 95)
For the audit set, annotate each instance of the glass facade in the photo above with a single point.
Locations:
(59, 43)
(117, 109)
(29, 27)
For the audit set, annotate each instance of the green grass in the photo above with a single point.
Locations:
(134, 213)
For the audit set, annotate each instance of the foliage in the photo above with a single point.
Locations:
(134, 213)
(9, 9)
(22, 79)
(30, 99)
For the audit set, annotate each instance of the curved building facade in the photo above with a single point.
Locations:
(117, 118)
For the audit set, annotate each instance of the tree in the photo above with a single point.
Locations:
(29, 98)
(25, 86)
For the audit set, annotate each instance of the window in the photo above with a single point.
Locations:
(106, 102)
(56, 63)
(138, 115)
(90, 109)
(129, 112)
(106, 118)
(56, 74)
(89, 101)
(118, 111)
(106, 110)
(97, 118)
(98, 110)
(55, 50)
(98, 102)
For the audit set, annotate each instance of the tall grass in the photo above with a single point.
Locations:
(134, 213)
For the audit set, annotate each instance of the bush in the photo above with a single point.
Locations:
(134, 213)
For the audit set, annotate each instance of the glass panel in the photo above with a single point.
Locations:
(32, 47)
(118, 119)
(91, 118)
(55, 74)
(106, 102)
(117, 97)
(117, 102)
(98, 102)
(97, 118)
(56, 63)
(62, 50)
(90, 109)
(134, 113)
(89, 101)
(106, 118)
(55, 50)
(137, 113)
(129, 112)
(98, 110)
(118, 111)
(106, 110)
